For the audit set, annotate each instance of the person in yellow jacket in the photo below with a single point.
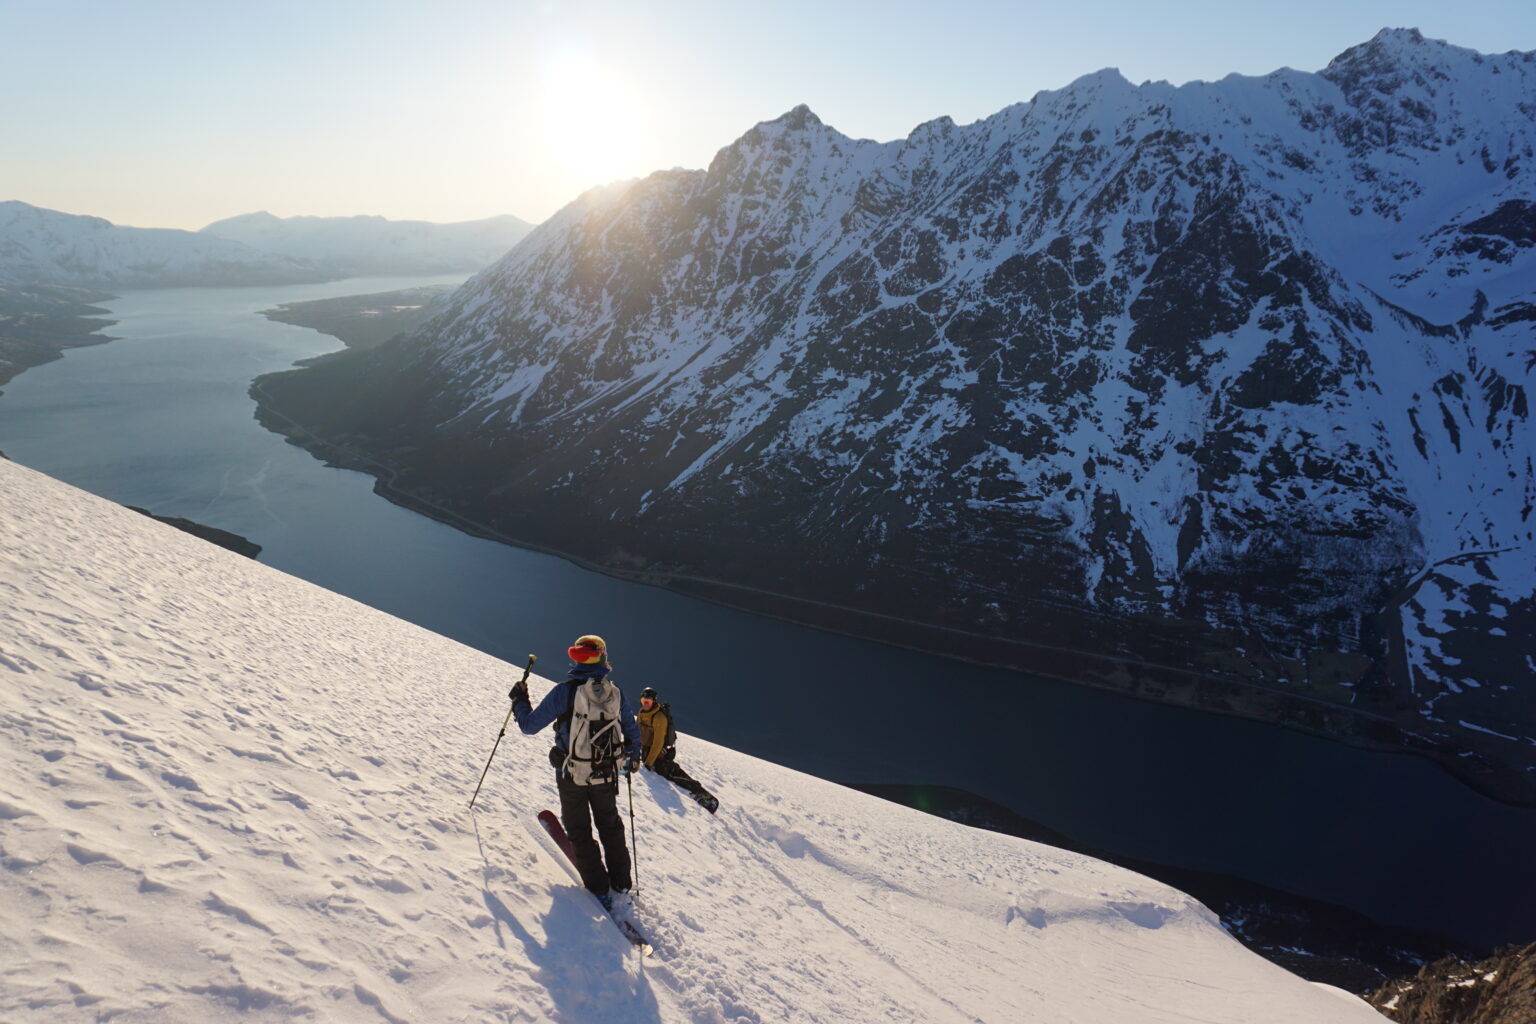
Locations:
(658, 749)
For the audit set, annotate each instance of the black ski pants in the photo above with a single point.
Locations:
(667, 767)
(580, 808)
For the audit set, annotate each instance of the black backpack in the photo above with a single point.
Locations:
(671, 740)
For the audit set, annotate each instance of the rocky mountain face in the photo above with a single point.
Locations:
(1498, 990)
(376, 246)
(45, 247)
(1216, 393)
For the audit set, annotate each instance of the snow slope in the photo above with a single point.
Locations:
(227, 794)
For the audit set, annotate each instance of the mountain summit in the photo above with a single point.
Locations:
(1154, 387)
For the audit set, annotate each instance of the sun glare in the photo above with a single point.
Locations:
(590, 121)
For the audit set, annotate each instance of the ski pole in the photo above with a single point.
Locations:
(531, 659)
(634, 837)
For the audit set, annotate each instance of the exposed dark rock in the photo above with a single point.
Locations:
(1514, 220)
(1500, 989)
(223, 538)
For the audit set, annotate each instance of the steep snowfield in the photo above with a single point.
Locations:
(228, 794)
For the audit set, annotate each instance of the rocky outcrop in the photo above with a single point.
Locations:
(212, 534)
(1498, 990)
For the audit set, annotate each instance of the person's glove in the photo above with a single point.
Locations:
(518, 692)
(631, 766)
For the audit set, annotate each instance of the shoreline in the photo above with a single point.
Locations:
(1186, 688)
(39, 323)
(362, 321)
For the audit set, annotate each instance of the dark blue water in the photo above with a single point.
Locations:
(161, 419)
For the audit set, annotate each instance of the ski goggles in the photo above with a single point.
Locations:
(585, 654)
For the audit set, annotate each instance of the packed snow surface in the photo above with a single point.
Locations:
(227, 794)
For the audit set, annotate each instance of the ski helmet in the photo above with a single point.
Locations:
(589, 650)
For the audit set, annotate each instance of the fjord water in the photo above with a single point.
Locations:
(161, 419)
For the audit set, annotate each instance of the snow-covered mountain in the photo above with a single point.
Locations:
(374, 246)
(230, 795)
(1227, 381)
(45, 247)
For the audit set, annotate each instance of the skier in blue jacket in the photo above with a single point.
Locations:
(589, 788)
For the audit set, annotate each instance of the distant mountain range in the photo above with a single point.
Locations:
(1148, 386)
(45, 247)
(374, 246)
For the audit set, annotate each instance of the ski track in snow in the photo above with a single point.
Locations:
(231, 795)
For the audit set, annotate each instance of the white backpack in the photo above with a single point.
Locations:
(592, 757)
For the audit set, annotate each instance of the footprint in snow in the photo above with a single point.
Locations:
(219, 905)
(85, 856)
(16, 663)
(1144, 915)
(91, 681)
(116, 776)
(182, 782)
(10, 811)
(1034, 917)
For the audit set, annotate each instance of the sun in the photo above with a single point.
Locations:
(591, 122)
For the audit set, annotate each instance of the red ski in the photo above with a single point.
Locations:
(557, 833)
(625, 926)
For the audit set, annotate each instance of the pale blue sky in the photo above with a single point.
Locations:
(175, 113)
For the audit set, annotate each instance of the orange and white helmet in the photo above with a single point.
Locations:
(589, 650)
